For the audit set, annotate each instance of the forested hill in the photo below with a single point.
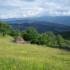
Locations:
(65, 20)
(40, 26)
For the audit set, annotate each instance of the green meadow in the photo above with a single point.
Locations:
(31, 57)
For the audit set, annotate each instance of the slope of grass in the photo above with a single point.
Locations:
(31, 57)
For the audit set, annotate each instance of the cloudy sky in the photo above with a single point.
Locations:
(34, 8)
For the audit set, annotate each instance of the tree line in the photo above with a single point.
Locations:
(31, 34)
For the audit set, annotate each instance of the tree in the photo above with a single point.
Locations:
(65, 35)
(60, 40)
(31, 35)
(48, 39)
(15, 33)
(42, 39)
(4, 28)
(51, 39)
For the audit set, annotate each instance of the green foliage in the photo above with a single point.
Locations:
(65, 35)
(31, 35)
(49, 39)
(67, 42)
(15, 33)
(60, 40)
(4, 28)
(42, 38)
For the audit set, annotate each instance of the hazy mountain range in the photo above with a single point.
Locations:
(42, 24)
(65, 20)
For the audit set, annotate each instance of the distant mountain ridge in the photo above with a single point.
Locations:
(41, 26)
(65, 20)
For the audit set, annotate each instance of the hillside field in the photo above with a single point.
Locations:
(31, 57)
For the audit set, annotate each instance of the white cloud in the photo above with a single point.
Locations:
(23, 12)
(29, 8)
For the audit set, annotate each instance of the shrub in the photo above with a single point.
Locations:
(4, 28)
(60, 40)
(30, 35)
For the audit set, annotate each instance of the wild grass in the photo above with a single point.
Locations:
(31, 57)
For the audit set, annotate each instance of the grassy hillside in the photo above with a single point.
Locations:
(31, 57)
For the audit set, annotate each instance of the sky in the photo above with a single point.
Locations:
(34, 8)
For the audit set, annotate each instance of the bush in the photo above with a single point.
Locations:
(4, 28)
(60, 40)
(42, 39)
(15, 33)
(31, 35)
